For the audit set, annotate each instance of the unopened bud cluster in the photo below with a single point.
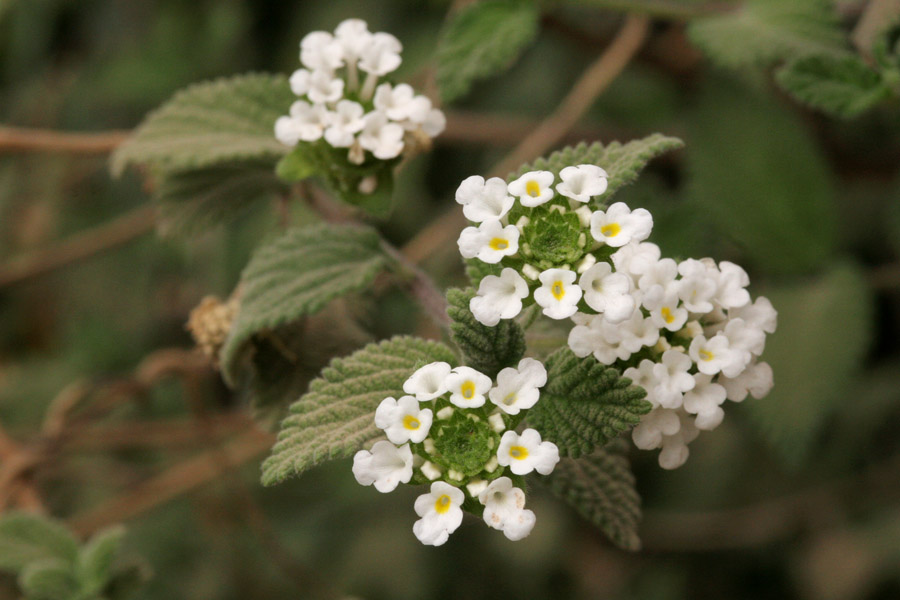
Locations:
(342, 103)
(455, 431)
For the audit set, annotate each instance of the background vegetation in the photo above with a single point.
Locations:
(791, 167)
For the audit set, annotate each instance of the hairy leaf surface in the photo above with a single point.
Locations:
(840, 86)
(622, 162)
(482, 40)
(297, 275)
(485, 349)
(25, 538)
(585, 404)
(760, 32)
(600, 486)
(211, 123)
(337, 416)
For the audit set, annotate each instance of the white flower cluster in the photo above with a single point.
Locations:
(692, 338)
(554, 237)
(686, 332)
(455, 430)
(381, 119)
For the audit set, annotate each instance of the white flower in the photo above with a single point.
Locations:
(675, 451)
(715, 355)
(671, 430)
(319, 51)
(635, 258)
(607, 292)
(635, 333)
(381, 137)
(353, 36)
(756, 379)
(697, 287)
(658, 280)
(428, 382)
(441, 513)
(592, 334)
(483, 200)
(732, 281)
(467, 387)
(395, 102)
(504, 509)
(582, 182)
(760, 314)
(434, 122)
(300, 81)
(386, 466)
(533, 188)
(666, 313)
(324, 88)
(745, 337)
(402, 421)
(526, 453)
(618, 225)
(672, 378)
(558, 295)
(499, 297)
(381, 55)
(344, 123)
(305, 123)
(705, 401)
(489, 242)
(654, 426)
(517, 389)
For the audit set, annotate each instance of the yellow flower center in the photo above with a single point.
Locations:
(410, 422)
(510, 399)
(706, 355)
(667, 315)
(468, 390)
(518, 452)
(558, 290)
(533, 189)
(611, 230)
(442, 504)
(498, 244)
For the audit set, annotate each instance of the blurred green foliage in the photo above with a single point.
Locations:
(795, 496)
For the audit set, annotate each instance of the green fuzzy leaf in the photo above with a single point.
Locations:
(761, 32)
(772, 193)
(25, 538)
(95, 562)
(222, 121)
(840, 86)
(49, 579)
(194, 201)
(622, 162)
(297, 275)
(485, 349)
(600, 486)
(814, 361)
(482, 40)
(886, 46)
(336, 417)
(585, 404)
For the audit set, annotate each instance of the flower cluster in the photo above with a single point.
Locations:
(686, 332)
(455, 430)
(335, 106)
(543, 242)
(692, 341)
